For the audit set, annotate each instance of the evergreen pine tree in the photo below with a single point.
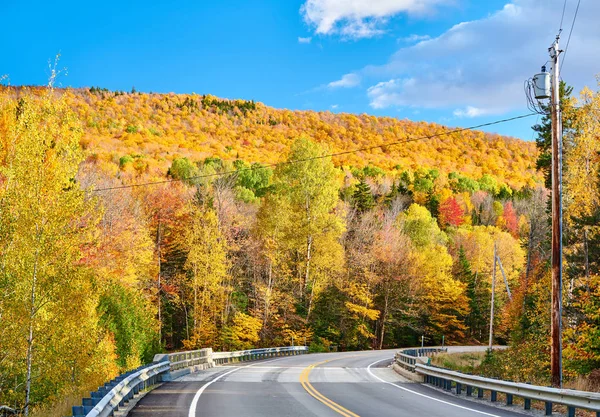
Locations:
(544, 131)
(463, 273)
(363, 198)
(392, 195)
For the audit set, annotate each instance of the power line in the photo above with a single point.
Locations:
(218, 174)
(562, 17)
(562, 64)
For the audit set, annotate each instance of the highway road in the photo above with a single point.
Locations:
(348, 384)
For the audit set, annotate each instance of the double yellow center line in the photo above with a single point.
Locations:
(316, 394)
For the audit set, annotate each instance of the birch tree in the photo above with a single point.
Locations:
(45, 221)
(310, 187)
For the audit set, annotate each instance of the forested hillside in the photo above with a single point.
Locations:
(368, 250)
(154, 129)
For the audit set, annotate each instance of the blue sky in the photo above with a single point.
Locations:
(455, 62)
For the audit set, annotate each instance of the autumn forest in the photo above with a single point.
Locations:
(135, 223)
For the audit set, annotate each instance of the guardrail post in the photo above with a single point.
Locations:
(444, 379)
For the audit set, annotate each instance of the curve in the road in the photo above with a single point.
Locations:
(194, 403)
(320, 385)
(423, 395)
(316, 394)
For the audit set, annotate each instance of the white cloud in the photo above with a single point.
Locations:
(347, 81)
(478, 67)
(387, 93)
(304, 40)
(414, 38)
(469, 111)
(334, 106)
(359, 18)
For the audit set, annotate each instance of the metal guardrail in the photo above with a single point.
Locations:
(187, 359)
(254, 354)
(127, 388)
(5, 410)
(408, 358)
(115, 393)
(449, 380)
(107, 399)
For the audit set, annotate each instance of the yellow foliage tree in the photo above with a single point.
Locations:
(48, 306)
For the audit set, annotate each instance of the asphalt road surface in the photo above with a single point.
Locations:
(349, 384)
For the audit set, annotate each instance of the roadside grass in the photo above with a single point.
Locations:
(61, 407)
(462, 362)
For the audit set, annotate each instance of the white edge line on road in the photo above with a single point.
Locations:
(194, 404)
(422, 395)
(297, 367)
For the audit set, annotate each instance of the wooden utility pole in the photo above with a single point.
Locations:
(492, 302)
(556, 345)
(504, 276)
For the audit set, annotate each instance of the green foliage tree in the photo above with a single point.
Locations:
(544, 132)
(183, 169)
(421, 227)
(460, 183)
(124, 160)
(126, 315)
(253, 181)
(362, 197)
(310, 192)
(476, 319)
(489, 184)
